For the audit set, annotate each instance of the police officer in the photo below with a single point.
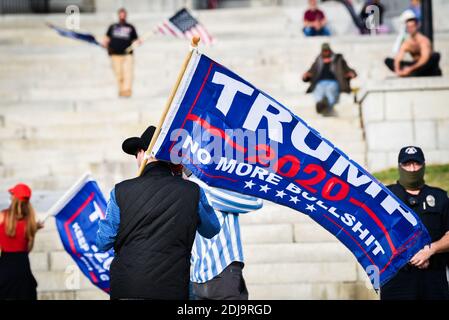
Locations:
(424, 277)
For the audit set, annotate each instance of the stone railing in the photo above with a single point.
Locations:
(400, 112)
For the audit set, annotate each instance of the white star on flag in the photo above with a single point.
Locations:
(311, 207)
(294, 199)
(264, 188)
(249, 184)
(280, 194)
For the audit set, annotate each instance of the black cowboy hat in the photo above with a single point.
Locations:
(134, 144)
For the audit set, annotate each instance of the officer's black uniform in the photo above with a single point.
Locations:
(432, 206)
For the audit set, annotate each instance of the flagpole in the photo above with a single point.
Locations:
(194, 45)
(142, 39)
(58, 205)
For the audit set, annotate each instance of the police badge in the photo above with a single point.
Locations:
(430, 200)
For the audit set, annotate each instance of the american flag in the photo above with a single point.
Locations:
(183, 25)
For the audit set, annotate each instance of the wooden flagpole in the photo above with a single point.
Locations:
(144, 38)
(194, 44)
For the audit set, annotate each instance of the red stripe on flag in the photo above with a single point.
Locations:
(188, 34)
(93, 277)
(73, 217)
(376, 220)
(195, 32)
(402, 249)
(161, 29)
(216, 132)
(208, 38)
(166, 25)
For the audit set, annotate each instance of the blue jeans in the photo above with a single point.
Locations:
(328, 89)
(311, 32)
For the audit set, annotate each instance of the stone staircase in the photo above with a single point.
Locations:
(289, 256)
(60, 117)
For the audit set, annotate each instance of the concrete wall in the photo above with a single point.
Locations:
(400, 112)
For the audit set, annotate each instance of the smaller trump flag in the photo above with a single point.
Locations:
(77, 214)
(86, 37)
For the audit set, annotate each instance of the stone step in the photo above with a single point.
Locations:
(296, 252)
(81, 131)
(89, 294)
(113, 105)
(68, 280)
(51, 182)
(276, 232)
(272, 213)
(47, 241)
(309, 272)
(60, 176)
(311, 291)
(40, 118)
(296, 226)
(273, 233)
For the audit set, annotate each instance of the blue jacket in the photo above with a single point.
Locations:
(208, 225)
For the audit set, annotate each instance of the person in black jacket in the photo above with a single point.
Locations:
(151, 222)
(425, 275)
(328, 76)
(119, 37)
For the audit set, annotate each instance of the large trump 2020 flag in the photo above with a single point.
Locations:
(77, 214)
(232, 135)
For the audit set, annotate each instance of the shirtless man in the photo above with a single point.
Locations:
(425, 62)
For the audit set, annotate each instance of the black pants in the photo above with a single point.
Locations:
(431, 68)
(416, 284)
(228, 285)
(16, 280)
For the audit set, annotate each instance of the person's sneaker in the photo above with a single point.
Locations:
(125, 93)
(322, 105)
(319, 107)
(329, 112)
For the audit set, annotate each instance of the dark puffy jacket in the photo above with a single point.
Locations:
(338, 66)
(158, 221)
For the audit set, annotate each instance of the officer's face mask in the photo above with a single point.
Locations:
(412, 180)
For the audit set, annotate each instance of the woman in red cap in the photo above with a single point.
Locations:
(18, 228)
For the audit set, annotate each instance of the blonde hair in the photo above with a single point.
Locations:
(19, 210)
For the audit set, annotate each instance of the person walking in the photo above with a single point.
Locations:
(119, 37)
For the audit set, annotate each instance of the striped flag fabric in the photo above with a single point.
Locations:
(183, 25)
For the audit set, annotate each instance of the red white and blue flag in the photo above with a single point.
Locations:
(232, 135)
(183, 25)
(77, 214)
